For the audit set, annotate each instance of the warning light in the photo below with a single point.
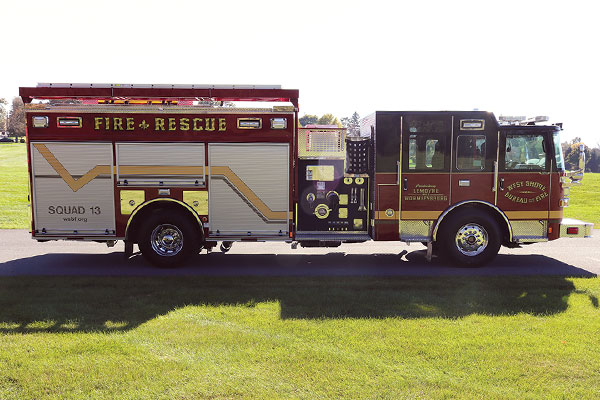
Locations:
(40, 122)
(278, 123)
(573, 230)
(68, 122)
(249, 123)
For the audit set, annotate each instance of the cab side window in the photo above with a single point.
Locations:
(525, 153)
(426, 144)
(470, 153)
(425, 154)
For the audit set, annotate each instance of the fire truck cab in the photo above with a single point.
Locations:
(181, 168)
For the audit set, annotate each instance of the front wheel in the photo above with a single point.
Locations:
(471, 238)
(168, 238)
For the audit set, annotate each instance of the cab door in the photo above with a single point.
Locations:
(524, 180)
(424, 180)
(475, 141)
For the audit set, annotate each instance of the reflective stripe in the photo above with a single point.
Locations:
(421, 214)
(526, 214)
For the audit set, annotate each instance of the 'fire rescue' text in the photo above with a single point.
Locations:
(160, 124)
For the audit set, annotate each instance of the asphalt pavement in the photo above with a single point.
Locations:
(21, 255)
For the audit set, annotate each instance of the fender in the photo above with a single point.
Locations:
(193, 212)
(453, 207)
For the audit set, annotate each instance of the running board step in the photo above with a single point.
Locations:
(359, 237)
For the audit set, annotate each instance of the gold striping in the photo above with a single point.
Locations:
(421, 214)
(74, 184)
(555, 214)
(526, 214)
(383, 215)
(248, 193)
(160, 170)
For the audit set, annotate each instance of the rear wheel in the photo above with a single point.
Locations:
(168, 238)
(471, 238)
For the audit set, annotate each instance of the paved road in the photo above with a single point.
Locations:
(20, 255)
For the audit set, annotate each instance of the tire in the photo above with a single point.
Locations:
(470, 238)
(168, 238)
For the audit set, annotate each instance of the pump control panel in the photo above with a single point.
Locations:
(331, 200)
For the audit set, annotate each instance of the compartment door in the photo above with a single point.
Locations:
(73, 189)
(249, 189)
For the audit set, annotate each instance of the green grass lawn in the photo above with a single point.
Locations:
(14, 210)
(295, 338)
(585, 200)
(309, 338)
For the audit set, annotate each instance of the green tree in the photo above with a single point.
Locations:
(16, 118)
(352, 124)
(572, 157)
(594, 163)
(308, 120)
(3, 104)
(329, 119)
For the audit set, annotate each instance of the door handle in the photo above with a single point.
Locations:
(501, 183)
(495, 185)
(405, 184)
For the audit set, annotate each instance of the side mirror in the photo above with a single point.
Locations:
(577, 176)
(581, 157)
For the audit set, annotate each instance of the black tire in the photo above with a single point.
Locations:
(167, 238)
(470, 238)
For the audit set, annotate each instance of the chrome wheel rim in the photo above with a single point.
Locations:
(166, 240)
(471, 239)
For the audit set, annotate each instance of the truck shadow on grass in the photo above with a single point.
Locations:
(30, 304)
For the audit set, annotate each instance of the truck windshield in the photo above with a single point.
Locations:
(560, 165)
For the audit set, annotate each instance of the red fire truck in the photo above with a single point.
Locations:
(180, 168)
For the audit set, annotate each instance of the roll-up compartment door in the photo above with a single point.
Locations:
(249, 189)
(73, 190)
(160, 164)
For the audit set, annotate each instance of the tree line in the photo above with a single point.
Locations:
(13, 123)
(571, 154)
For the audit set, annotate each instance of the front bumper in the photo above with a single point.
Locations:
(574, 228)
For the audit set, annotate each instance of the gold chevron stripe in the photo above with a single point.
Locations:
(74, 184)
(248, 193)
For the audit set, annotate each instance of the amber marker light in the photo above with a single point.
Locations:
(278, 123)
(40, 122)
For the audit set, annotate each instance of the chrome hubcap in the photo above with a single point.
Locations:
(166, 240)
(471, 239)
